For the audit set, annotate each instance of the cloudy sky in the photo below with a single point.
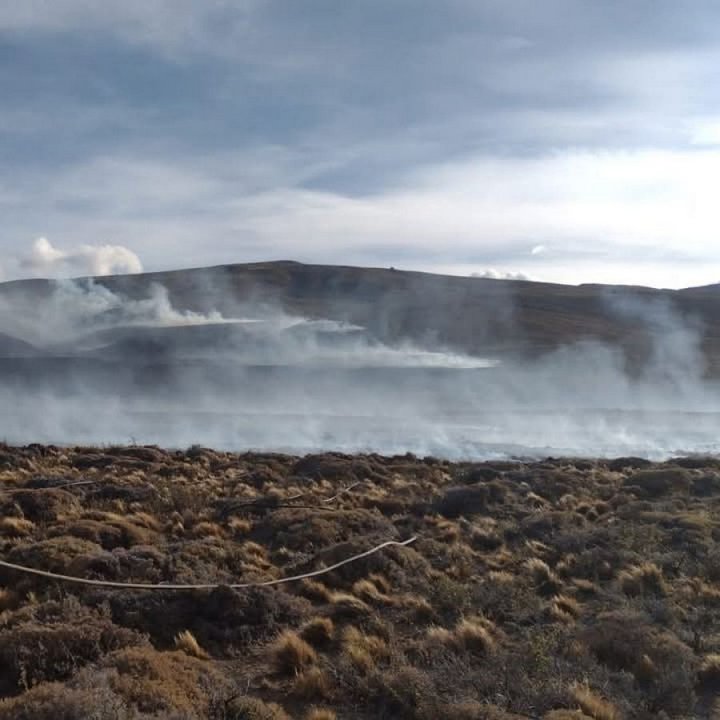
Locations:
(563, 140)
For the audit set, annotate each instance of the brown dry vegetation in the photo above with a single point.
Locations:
(555, 589)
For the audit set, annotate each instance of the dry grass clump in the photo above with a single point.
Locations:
(546, 581)
(320, 714)
(187, 642)
(206, 529)
(239, 527)
(708, 676)
(367, 590)
(420, 610)
(9, 600)
(469, 635)
(474, 635)
(585, 588)
(252, 708)
(485, 539)
(312, 684)
(290, 654)
(16, 527)
(363, 650)
(645, 579)
(345, 605)
(318, 631)
(595, 706)
(315, 591)
(565, 608)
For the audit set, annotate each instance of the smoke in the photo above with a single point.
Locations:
(493, 274)
(109, 366)
(97, 260)
(78, 308)
(675, 360)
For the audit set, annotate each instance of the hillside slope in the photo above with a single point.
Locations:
(474, 315)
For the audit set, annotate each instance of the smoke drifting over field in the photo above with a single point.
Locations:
(82, 363)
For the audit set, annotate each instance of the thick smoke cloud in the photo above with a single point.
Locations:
(98, 260)
(84, 364)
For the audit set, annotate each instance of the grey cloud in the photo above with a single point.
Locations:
(242, 130)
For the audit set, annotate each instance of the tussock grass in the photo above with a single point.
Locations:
(319, 631)
(645, 579)
(290, 654)
(187, 642)
(320, 714)
(562, 589)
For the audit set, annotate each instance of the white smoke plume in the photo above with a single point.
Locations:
(80, 307)
(98, 260)
(111, 366)
(493, 274)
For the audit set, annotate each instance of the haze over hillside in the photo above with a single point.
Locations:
(285, 355)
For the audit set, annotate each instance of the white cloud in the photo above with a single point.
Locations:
(44, 255)
(607, 216)
(46, 259)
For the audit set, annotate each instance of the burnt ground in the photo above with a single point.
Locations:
(563, 589)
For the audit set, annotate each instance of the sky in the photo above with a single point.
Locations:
(564, 140)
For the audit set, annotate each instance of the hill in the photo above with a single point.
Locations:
(473, 315)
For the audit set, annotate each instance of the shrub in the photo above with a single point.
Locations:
(457, 501)
(52, 640)
(54, 701)
(657, 482)
(48, 505)
(54, 554)
(160, 682)
(663, 665)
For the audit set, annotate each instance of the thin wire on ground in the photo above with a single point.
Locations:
(209, 586)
